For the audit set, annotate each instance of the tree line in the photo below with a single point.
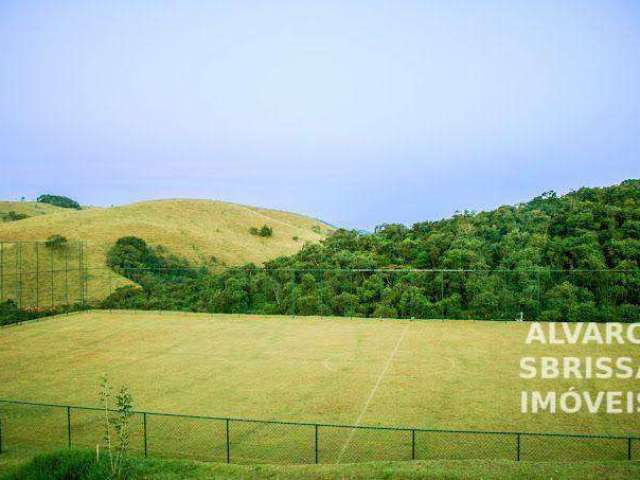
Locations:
(556, 258)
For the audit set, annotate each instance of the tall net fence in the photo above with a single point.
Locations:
(31, 428)
(43, 275)
(39, 276)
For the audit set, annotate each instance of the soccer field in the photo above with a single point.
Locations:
(425, 374)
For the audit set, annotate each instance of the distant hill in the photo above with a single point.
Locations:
(203, 231)
(31, 209)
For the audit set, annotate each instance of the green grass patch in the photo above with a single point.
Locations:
(81, 465)
(460, 375)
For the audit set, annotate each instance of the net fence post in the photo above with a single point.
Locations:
(413, 444)
(517, 447)
(144, 428)
(352, 290)
(18, 275)
(316, 442)
(36, 250)
(15, 286)
(227, 441)
(321, 302)
(293, 293)
(80, 292)
(539, 294)
(442, 294)
(249, 290)
(66, 277)
(86, 276)
(69, 427)
(1, 272)
(52, 278)
(629, 448)
(0, 435)
(109, 271)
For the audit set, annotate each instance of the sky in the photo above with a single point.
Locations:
(355, 112)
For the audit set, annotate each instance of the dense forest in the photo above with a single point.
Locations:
(573, 257)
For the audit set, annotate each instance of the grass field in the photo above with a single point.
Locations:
(31, 209)
(194, 229)
(429, 374)
(46, 466)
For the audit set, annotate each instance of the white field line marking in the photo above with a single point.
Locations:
(372, 393)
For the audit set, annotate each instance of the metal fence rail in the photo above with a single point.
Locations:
(30, 428)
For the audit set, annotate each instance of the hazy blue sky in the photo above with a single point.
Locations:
(356, 112)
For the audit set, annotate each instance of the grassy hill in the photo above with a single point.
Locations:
(31, 209)
(203, 231)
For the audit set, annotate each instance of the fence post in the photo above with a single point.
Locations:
(228, 442)
(539, 294)
(320, 303)
(66, 277)
(109, 275)
(352, 289)
(80, 283)
(0, 435)
(69, 427)
(86, 278)
(1, 272)
(52, 277)
(442, 294)
(517, 447)
(293, 294)
(629, 448)
(144, 427)
(413, 444)
(37, 276)
(18, 275)
(316, 442)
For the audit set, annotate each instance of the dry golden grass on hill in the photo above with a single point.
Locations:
(195, 229)
(32, 209)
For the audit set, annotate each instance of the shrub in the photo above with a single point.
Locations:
(264, 231)
(59, 201)
(10, 313)
(56, 242)
(385, 311)
(125, 297)
(13, 216)
(62, 465)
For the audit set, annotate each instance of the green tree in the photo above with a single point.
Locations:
(59, 201)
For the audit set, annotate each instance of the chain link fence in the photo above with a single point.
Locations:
(28, 428)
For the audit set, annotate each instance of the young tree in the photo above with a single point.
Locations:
(116, 422)
(56, 242)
